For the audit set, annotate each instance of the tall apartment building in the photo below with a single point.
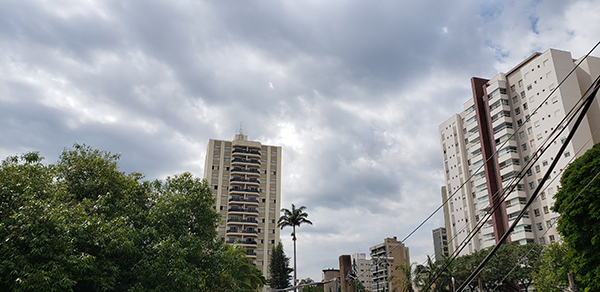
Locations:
(245, 177)
(384, 259)
(363, 269)
(440, 243)
(497, 113)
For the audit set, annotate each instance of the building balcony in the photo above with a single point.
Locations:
(247, 221)
(243, 161)
(251, 254)
(249, 201)
(237, 189)
(246, 152)
(246, 232)
(242, 171)
(235, 209)
(239, 241)
(252, 181)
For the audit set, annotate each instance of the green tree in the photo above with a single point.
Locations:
(83, 225)
(280, 268)
(294, 217)
(579, 223)
(405, 283)
(526, 258)
(551, 273)
(424, 276)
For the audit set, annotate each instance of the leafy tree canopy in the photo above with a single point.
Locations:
(83, 225)
(579, 224)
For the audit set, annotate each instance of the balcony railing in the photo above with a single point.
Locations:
(232, 241)
(239, 169)
(247, 210)
(242, 160)
(247, 230)
(255, 152)
(247, 190)
(252, 180)
(249, 200)
(248, 220)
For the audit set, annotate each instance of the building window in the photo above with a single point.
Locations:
(567, 153)
(557, 113)
(529, 130)
(549, 223)
(536, 212)
(536, 123)
(539, 226)
(554, 99)
(537, 169)
(512, 88)
(532, 185)
(532, 143)
(542, 240)
(546, 211)
(523, 94)
(515, 99)
(524, 147)
(522, 135)
(525, 106)
(521, 83)
(529, 87)
(517, 111)
(551, 237)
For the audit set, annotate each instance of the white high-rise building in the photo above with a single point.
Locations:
(245, 177)
(498, 108)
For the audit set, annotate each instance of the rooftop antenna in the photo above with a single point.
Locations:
(241, 129)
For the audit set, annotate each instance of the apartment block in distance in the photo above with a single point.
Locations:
(440, 243)
(495, 119)
(384, 259)
(363, 269)
(245, 178)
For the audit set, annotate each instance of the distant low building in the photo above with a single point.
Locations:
(363, 269)
(440, 243)
(330, 274)
(384, 259)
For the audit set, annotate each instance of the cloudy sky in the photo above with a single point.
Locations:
(352, 90)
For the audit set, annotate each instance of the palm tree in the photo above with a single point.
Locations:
(294, 217)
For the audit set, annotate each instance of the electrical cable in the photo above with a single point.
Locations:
(521, 174)
(587, 105)
(490, 158)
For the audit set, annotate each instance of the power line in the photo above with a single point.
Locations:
(585, 108)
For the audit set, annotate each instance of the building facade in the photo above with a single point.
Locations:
(363, 269)
(245, 178)
(500, 117)
(384, 259)
(440, 243)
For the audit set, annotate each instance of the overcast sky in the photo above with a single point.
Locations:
(352, 90)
